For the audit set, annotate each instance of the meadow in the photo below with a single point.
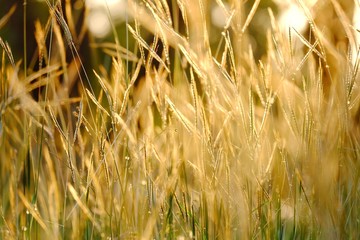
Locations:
(172, 128)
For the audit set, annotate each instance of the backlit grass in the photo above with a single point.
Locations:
(176, 135)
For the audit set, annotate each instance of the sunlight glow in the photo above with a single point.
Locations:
(98, 24)
(99, 20)
(219, 16)
(293, 17)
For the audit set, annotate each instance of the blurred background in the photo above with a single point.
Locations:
(96, 21)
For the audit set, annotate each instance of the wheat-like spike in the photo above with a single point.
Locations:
(128, 89)
(167, 11)
(105, 89)
(59, 17)
(66, 143)
(7, 49)
(193, 62)
(141, 48)
(345, 21)
(303, 60)
(309, 45)
(348, 76)
(184, 16)
(205, 29)
(252, 114)
(269, 102)
(280, 55)
(260, 94)
(287, 119)
(103, 161)
(70, 19)
(162, 33)
(187, 124)
(290, 44)
(194, 94)
(57, 124)
(240, 108)
(125, 127)
(292, 114)
(165, 6)
(206, 127)
(153, 47)
(354, 72)
(263, 76)
(319, 86)
(79, 116)
(92, 97)
(147, 47)
(223, 127)
(231, 52)
(223, 71)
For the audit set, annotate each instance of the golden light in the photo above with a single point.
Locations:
(104, 11)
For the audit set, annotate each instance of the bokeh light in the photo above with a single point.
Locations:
(102, 12)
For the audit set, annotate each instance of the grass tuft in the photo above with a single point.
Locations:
(180, 131)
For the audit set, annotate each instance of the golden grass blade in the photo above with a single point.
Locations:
(33, 212)
(48, 69)
(125, 128)
(128, 89)
(309, 45)
(303, 60)
(104, 88)
(271, 160)
(7, 16)
(147, 47)
(79, 116)
(250, 16)
(82, 206)
(186, 122)
(193, 62)
(147, 20)
(167, 11)
(92, 97)
(7, 49)
(57, 125)
(194, 94)
(40, 41)
(70, 19)
(61, 20)
(230, 51)
(252, 126)
(223, 71)
(221, 4)
(162, 35)
(345, 22)
(184, 16)
(141, 48)
(111, 49)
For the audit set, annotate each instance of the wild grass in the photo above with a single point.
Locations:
(209, 143)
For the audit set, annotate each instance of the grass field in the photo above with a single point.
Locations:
(181, 130)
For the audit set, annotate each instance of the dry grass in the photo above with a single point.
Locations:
(208, 144)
